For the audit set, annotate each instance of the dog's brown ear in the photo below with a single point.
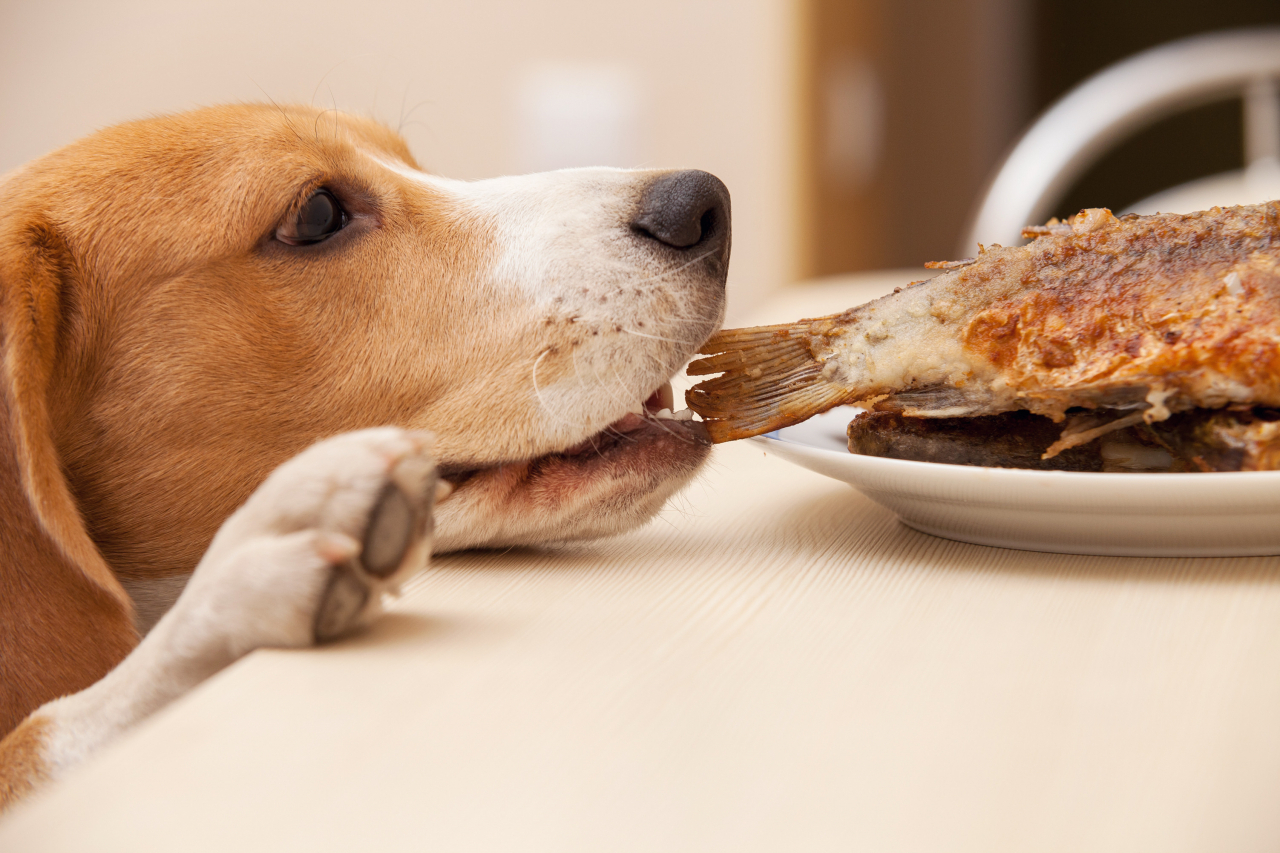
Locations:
(34, 263)
(65, 621)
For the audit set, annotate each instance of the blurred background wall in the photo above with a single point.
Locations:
(853, 134)
(479, 88)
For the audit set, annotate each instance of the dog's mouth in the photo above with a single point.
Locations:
(651, 425)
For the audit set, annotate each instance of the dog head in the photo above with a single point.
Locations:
(190, 300)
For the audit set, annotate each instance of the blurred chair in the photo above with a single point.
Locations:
(1115, 102)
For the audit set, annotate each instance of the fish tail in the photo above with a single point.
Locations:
(770, 378)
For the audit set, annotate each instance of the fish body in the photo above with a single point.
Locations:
(1138, 317)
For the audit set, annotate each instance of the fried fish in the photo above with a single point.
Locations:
(1098, 324)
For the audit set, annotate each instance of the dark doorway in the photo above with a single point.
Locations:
(1074, 40)
(911, 104)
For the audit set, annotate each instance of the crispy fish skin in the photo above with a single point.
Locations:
(1147, 315)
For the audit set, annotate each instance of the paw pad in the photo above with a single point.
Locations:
(389, 534)
(341, 603)
(395, 523)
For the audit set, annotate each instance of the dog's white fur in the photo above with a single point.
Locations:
(259, 585)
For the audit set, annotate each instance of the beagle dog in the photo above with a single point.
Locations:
(257, 365)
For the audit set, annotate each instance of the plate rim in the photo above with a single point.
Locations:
(1217, 514)
(774, 437)
(1134, 493)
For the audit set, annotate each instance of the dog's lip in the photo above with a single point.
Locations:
(629, 424)
(648, 418)
(630, 428)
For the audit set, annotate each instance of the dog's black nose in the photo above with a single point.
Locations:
(685, 209)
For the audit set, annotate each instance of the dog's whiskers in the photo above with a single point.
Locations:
(577, 373)
(626, 400)
(660, 338)
(664, 274)
(537, 391)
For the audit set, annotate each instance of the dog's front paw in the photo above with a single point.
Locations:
(311, 552)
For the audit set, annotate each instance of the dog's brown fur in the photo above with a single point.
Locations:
(64, 618)
(162, 355)
(130, 457)
(20, 756)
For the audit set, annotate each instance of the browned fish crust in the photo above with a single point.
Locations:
(1139, 299)
(1154, 314)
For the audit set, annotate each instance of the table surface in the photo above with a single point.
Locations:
(775, 663)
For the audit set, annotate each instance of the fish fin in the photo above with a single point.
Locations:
(770, 378)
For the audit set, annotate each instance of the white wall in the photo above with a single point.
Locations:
(481, 88)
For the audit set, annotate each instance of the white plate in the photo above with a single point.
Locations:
(1164, 515)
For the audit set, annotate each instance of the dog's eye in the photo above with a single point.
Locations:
(318, 219)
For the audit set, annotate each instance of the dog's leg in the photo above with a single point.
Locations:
(306, 559)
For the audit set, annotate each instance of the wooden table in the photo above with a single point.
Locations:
(774, 664)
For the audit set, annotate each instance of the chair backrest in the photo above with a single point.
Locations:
(1109, 106)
